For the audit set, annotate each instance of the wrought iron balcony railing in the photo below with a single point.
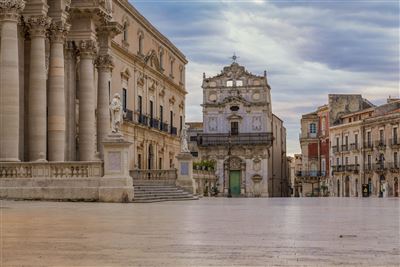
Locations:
(354, 147)
(240, 139)
(335, 149)
(380, 144)
(368, 145)
(394, 142)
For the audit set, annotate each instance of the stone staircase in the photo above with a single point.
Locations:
(146, 192)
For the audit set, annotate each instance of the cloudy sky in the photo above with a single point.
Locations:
(309, 48)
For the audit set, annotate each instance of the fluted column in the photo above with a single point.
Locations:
(56, 99)
(38, 26)
(9, 79)
(87, 127)
(104, 64)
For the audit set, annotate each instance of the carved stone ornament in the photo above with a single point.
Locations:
(184, 137)
(116, 113)
(38, 25)
(212, 124)
(87, 48)
(104, 62)
(140, 79)
(58, 31)
(11, 9)
(235, 163)
(256, 123)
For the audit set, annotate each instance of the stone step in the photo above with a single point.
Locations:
(161, 195)
(158, 190)
(162, 200)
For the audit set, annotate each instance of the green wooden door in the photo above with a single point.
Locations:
(234, 183)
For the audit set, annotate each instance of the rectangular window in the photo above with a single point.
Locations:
(234, 128)
(313, 128)
(140, 105)
(124, 98)
(151, 110)
(109, 91)
(337, 162)
(395, 136)
(180, 123)
(381, 136)
(337, 142)
(356, 139)
(171, 119)
(356, 160)
(160, 163)
(161, 113)
(369, 139)
(395, 159)
(346, 140)
(369, 162)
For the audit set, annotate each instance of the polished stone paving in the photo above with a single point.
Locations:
(207, 232)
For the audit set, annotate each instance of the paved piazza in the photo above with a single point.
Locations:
(208, 232)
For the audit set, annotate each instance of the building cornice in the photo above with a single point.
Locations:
(139, 61)
(149, 27)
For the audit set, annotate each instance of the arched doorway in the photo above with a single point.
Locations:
(338, 188)
(381, 185)
(356, 187)
(234, 175)
(369, 186)
(347, 187)
(396, 187)
(150, 157)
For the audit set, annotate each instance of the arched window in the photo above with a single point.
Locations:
(161, 58)
(141, 43)
(125, 32)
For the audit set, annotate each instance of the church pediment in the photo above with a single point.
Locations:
(236, 100)
(234, 117)
(151, 60)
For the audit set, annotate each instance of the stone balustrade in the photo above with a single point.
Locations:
(205, 181)
(79, 169)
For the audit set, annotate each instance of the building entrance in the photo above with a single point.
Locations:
(234, 183)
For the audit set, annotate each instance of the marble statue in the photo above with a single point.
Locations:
(184, 143)
(116, 113)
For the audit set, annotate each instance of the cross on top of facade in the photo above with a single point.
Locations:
(234, 57)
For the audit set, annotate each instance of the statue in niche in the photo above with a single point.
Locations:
(184, 143)
(116, 113)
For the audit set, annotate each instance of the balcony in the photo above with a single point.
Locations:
(367, 146)
(338, 168)
(352, 168)
(174, 131)
(368, 167)
(154, 123)
(354, 147)
(394, 143)
(393, 166)
(225, 139)
(143, 119)
(380, 167)
(128, 115)
(164, 127)
(345, 148)
(335, 149)
(308, 136)
(380, 144)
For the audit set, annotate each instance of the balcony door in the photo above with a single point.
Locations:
(234, 127)
(347, 187)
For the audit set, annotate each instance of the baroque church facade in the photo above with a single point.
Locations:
(241, 135)
(61, 63)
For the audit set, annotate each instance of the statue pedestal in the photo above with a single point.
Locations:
(116, 185)
(185, 172)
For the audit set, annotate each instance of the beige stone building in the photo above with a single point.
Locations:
(241, 135)
(62, 61)
(365, 151)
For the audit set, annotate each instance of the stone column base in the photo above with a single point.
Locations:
(116, 185)
(185, 172)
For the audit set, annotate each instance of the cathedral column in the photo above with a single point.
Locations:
(9, 80)
(38, 26)
(87, 119)
(56, 98)
(104, 65)
(70, 96)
